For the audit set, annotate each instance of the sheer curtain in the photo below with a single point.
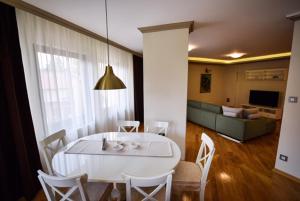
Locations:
(61, 68)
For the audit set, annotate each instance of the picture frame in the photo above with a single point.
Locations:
(205, 83)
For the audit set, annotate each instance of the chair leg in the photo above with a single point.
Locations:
(201, 193)
(115, 194)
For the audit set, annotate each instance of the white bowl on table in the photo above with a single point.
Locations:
(118, 147)
(134, 145)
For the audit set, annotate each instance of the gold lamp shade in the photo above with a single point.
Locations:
(109, 81)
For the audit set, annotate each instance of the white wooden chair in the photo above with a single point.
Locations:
(191, 175)
(72, 188)
(50, 145)
(123, 126)
(158, 127)
(162, 187)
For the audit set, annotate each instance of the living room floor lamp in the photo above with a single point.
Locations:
(109, 80)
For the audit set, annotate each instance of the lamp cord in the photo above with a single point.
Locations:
(107, 41)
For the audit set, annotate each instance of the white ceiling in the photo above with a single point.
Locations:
(256, 27)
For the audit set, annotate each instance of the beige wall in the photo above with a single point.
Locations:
(241, 93)
(290, 129)
(228, 81)
(165, 55)
(217, 92)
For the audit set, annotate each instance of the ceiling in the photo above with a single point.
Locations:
(256, 27)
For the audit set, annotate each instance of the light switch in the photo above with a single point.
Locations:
(293, 99)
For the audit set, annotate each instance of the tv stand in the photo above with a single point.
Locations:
(269, 112)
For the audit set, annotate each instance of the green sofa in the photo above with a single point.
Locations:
(210, 116)
(204, 114)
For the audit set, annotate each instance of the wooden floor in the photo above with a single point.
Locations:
(239, 172)
(242, 172)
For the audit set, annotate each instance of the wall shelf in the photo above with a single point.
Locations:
(276, 74)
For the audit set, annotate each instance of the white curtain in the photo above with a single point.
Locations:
(61, 68)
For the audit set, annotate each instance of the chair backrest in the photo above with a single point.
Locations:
(158, 127)
(51, 184)
(50, 145)
(132, 125)
(205, 156)
(141, 182)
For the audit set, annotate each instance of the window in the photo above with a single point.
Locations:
(62, 86)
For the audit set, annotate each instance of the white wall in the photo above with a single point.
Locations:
(289, 141)
(165, 55)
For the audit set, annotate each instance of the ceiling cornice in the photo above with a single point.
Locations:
(164, 27)
(294, 16)
(58, 20)
(242, 60)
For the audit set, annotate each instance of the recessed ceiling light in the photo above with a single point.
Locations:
(235, 55)
(191, 47)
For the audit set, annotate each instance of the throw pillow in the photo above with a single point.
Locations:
(230, 114)
(251, 111)
(254, 116)
(237, 111)
(247, 112)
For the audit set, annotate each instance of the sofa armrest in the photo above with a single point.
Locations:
(244, 129)
(231, 126)
(258, 127)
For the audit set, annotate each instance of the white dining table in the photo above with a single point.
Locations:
(110, 168)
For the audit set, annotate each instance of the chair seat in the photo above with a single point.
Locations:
(96, 191)
(187, 174)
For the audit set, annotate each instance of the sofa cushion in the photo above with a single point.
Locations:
(195, 104)
(212, 108)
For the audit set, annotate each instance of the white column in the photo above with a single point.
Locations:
(289, 141)
(165, 55)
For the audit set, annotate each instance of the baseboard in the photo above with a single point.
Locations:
(230, 138)
(286, 175)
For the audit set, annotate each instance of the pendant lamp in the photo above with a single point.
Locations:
(109, 80)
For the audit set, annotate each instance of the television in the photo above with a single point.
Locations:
(264, 98)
